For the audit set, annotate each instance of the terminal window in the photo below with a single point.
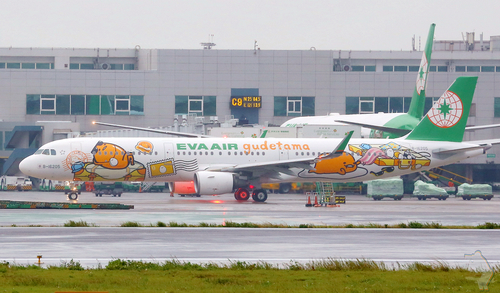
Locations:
(199, 105)
(367, 105)
(497, 107)
(84, 105)
(294, 106)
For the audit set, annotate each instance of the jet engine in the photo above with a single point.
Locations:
(206, 182)
(183, 187)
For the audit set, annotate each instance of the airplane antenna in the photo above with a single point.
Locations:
(209, 44)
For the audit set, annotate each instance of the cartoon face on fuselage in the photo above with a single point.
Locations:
(342, 164)
(111, 156)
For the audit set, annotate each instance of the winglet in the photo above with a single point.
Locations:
(340, 147)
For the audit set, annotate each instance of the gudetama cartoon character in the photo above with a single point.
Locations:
(111, 156)
(342, 164)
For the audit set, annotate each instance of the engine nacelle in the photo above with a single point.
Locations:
(182, 187)
(208, 183)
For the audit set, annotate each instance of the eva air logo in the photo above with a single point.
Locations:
(422, 74)
(447, 111)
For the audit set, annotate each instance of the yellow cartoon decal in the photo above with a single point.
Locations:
(392, 155)
(144, 146)
(342, 164)
(361, 159)
(109, 163)
(161, 168)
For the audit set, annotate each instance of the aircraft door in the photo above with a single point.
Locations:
(169, 150)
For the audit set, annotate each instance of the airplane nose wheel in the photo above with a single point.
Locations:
(73, 196)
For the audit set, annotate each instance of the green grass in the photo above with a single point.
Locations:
(80, 223)
(408, 225)
(329, 275)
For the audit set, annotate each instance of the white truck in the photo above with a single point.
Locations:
(20, 183)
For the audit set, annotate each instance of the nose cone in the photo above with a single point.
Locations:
(28, 166)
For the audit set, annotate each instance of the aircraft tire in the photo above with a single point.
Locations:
(243, 194)
(73, 196)
(285, 187)
(259, 195)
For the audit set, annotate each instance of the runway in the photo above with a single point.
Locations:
(93, 246)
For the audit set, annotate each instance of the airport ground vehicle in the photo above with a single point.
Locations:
(20, 183)
(382, 188)
(424, 191)
(470, 191)
(113, 188)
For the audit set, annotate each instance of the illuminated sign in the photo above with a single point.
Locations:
(246, 102)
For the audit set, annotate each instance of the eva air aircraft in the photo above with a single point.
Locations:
(387, 125)
(241, 165)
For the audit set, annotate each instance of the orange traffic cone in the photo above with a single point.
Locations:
(316, 201)
(309, 204)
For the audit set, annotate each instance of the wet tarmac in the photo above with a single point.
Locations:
(93, 246)
(286, 209)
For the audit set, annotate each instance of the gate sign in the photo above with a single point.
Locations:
(246, 102)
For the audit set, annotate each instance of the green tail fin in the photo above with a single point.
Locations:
(447, 118)
(417, 104)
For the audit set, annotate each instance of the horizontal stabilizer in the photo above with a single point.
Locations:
(480, 127)
(398, 131)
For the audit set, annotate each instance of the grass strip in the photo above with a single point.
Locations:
(328, 275)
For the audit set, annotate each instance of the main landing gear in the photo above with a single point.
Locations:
(258, 195)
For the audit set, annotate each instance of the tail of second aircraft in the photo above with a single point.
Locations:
(417, 104)
(447, 118)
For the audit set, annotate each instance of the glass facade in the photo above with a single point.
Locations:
(199, 105)
(366, 105)
(84, 105)
(294, 106)
(496, 107)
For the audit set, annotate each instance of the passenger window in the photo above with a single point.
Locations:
(220, 153)
(206, 153)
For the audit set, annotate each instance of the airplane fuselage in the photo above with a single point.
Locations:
(178, 159)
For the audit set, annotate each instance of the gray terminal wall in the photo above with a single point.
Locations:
(161, 75)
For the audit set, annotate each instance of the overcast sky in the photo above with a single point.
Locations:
(280, 24)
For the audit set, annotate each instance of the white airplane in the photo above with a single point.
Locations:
(387, 125)
(241, 165)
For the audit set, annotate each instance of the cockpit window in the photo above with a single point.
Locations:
(53, 152)
(46, 152)
(39, 151)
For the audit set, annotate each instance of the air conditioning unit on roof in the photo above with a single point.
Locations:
(105, 66)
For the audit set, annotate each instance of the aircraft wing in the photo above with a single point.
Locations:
(183, 134)
(479, 127)
(273, 168)
(377, 127)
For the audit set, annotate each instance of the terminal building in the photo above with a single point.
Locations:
(149, 87)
